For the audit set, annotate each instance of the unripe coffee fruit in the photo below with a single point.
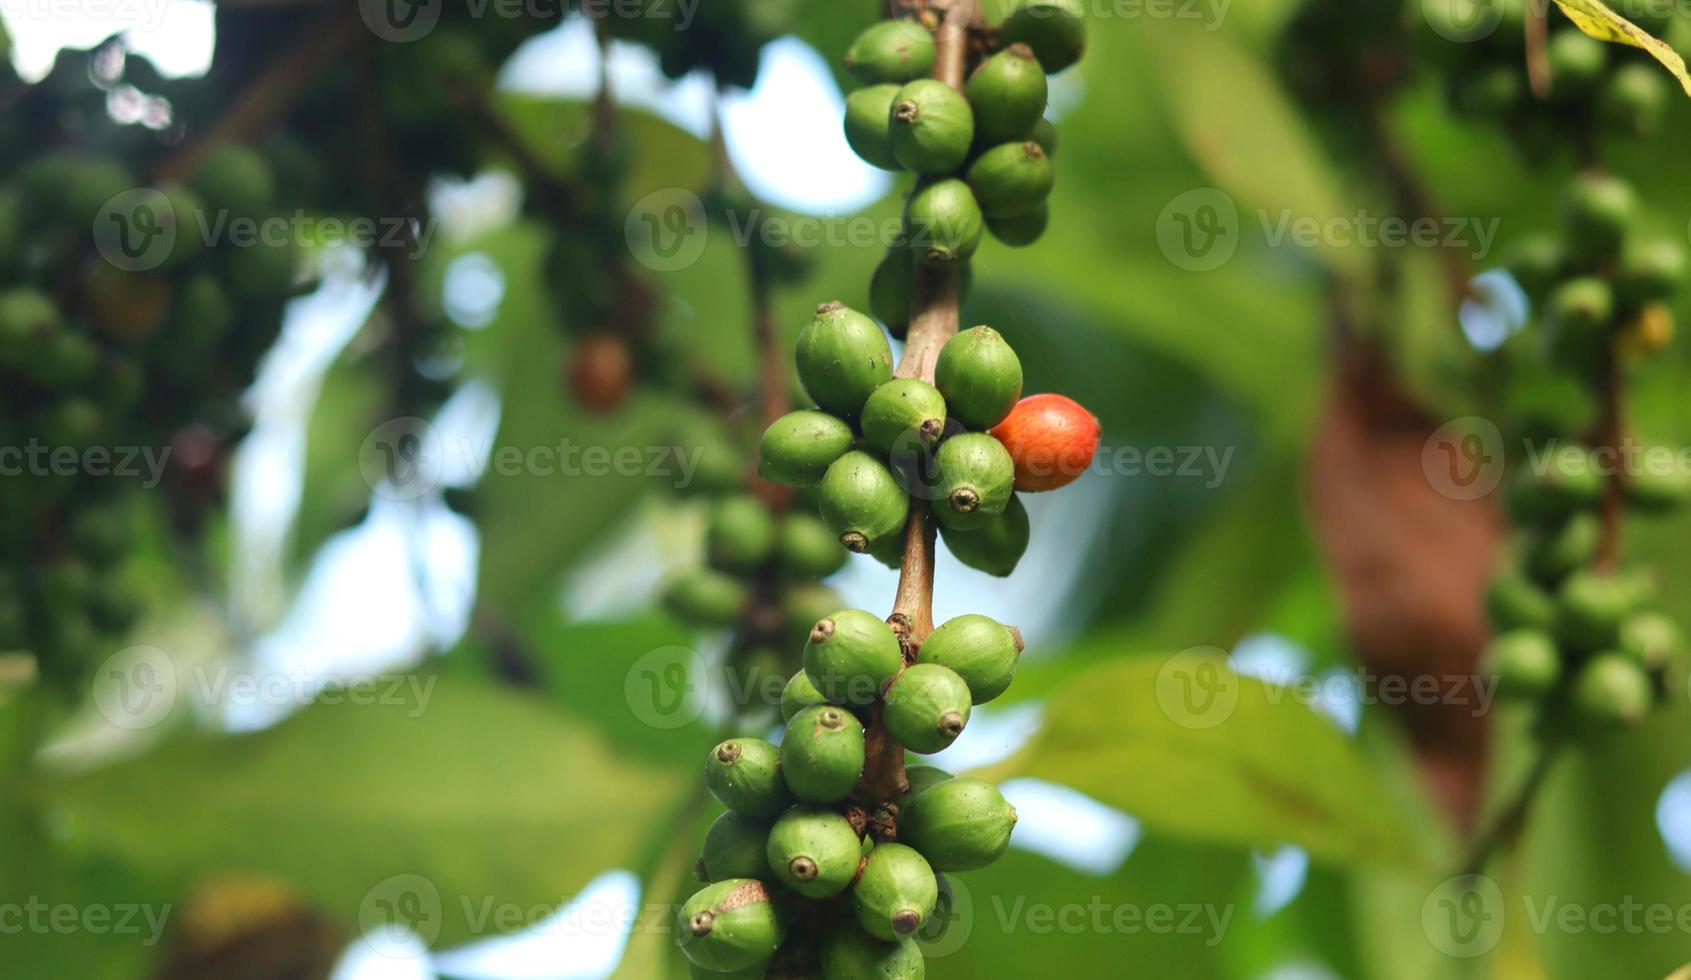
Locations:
(978, 649)
(842, 358)
(862, 502)
(891, 51)
(735, 847)
(798, 695)
(808, 549)
(1008, 92)
(822, 754)
(1525, 662)
(1576, 62)
(814, 851)
(920, 780)
(1570, 481)
(1052, 440)
(850, 655)
(996, 546)
(1597, 210)
(1590, 607)
(904, 415)
(1633, 99)
(895, 893)
(1652, 639)
(1553, 552)
(1650, 269)
(706, 598)
(731, 925)
(849, 953)
(868, 122)
(744, 774)
(944, 222)
(798, 447)
(1054, 29)
(1514, 601)
(980, 376)
(1045, 134)
(932, 127)
(741, 535)
(1611, 689)
(1011, 178)
(958, 825)
(927, 707)
(1019, 230)
(891, 289)
(974, 478)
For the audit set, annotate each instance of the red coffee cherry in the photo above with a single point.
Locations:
(1051, 439)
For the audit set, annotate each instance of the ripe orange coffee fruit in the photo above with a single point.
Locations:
(1051, 439)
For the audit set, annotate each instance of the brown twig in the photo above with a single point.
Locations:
(1606, 440)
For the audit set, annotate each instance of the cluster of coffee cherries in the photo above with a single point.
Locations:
(1594, 86)
(878, 445)
(982, 157)
(1580, 636)
(111, 364)
(802, 857)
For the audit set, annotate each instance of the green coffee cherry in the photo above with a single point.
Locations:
(904, 415)
(980, 376)
(720, 466)
(798, 447)
(1591, 606)
(1576, 63)
(1597, 210)
(757, 971)
(798, 695)
(975, 480)
(1011, 179)
(978, 649)
(1045, 134)
(741, 535)
(1650, 270)
(868, 121)
(850, 655)
(1514, 601)
(1019, 230)
(891, 51)
(996, 546)
(734, 848)
(920, 780)
(814, 851)
(932, 127)
(892, 288)
(744, 774)
(1008, 93)
(862, 502)
(1525, 662)
(807, 549)
(958, 825)
(1611, 689)
(822, 754)
(802, 605)
(944, 222)
(1577, 317)
(705, 598)
(1658, 492)
(848, 953)
(1654, 640)
(895, 893)
(731, 925)
(1054, 29)
(927, 707)
(1535, 261)
(1491, 91)
(890, 552)
(1555, 551)
(1633, 99)
(1570, 480)
(842, 358)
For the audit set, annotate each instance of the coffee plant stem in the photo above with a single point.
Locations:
(1538, 39)
(1505, 828)
(1611, 429)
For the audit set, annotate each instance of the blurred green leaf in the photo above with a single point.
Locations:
(452, 805)
(1164, 740)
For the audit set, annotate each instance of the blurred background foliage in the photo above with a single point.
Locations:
(525, 789)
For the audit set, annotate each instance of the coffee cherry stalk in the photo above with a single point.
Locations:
(830, 859)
